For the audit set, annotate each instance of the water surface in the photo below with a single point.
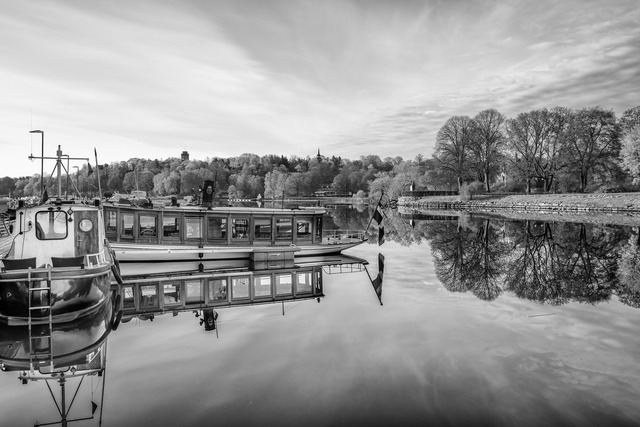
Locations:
(484, 322)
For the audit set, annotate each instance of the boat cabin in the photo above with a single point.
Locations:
(221, 226)
(57, 235)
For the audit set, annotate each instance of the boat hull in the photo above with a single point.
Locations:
(142, 260)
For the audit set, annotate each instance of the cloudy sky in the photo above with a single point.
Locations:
(152, 78)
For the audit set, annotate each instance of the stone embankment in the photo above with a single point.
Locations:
(620, 209)
(622, 203)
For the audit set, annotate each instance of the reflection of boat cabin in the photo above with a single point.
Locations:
(219, 226)
(222, 290)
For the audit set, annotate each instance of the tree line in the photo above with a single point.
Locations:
(555, 149)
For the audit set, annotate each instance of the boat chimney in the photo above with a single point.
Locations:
(207, 193)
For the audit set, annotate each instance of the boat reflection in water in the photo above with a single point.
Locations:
(70, 352)
(63, 353)
(144, 297)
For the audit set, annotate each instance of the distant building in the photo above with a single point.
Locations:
(185, 156)
(319, 157)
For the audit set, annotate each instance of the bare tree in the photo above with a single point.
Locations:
(527, 134)
(552, 158)
(487, 142)
(594, 144)
(453, 147)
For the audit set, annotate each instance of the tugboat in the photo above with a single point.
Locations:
(55, 265)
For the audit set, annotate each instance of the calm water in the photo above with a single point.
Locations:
(484, 322)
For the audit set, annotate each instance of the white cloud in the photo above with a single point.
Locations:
(218, 79)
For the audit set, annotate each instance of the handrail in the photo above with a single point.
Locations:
(342, 236)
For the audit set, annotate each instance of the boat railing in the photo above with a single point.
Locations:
(6, 224)
(334, 237)
(94, 260)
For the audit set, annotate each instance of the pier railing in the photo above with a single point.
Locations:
(342, 236)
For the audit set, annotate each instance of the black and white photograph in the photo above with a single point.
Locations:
(320, 213)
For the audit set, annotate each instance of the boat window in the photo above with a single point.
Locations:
(262, 286)
(51, 225)
(126, 223)
(217, 228)
(218, 289)
(262, 228)
(194, 291)
(149, 296)
(303, 282)
(303, 228)
(193, 227)
(283, 229)
(148, 225)
(239, 288)
(171, 293)
(240, 228)
(112, 222)
(171, 226)
(128, 298)
(283, 284)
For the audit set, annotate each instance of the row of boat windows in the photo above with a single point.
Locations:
(220, 228)
(222, 290)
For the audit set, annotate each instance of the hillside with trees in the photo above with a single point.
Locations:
(544, 150)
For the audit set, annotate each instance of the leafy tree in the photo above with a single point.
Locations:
(630, 119)
(296, 184)
(274, 184)
(7, 185)
(630, 153)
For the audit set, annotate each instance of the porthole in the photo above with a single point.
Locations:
(86, 225)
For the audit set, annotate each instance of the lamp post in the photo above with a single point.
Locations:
(41, 161)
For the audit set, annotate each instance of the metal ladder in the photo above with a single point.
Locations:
(40, 345)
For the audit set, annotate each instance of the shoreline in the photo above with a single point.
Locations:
(615, 203)
(616, 208)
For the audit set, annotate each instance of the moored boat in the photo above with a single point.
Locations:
(56, 265)
(191, 238)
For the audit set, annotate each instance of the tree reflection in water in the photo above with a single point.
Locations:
(548, 262)
(629, 270)
(469, 255)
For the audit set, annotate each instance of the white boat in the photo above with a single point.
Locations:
(165, 239)
(55, 265)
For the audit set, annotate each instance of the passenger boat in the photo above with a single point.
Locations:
(148, 239)
(55, 265)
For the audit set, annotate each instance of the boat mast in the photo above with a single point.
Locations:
(59, 164)
(59, 167)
